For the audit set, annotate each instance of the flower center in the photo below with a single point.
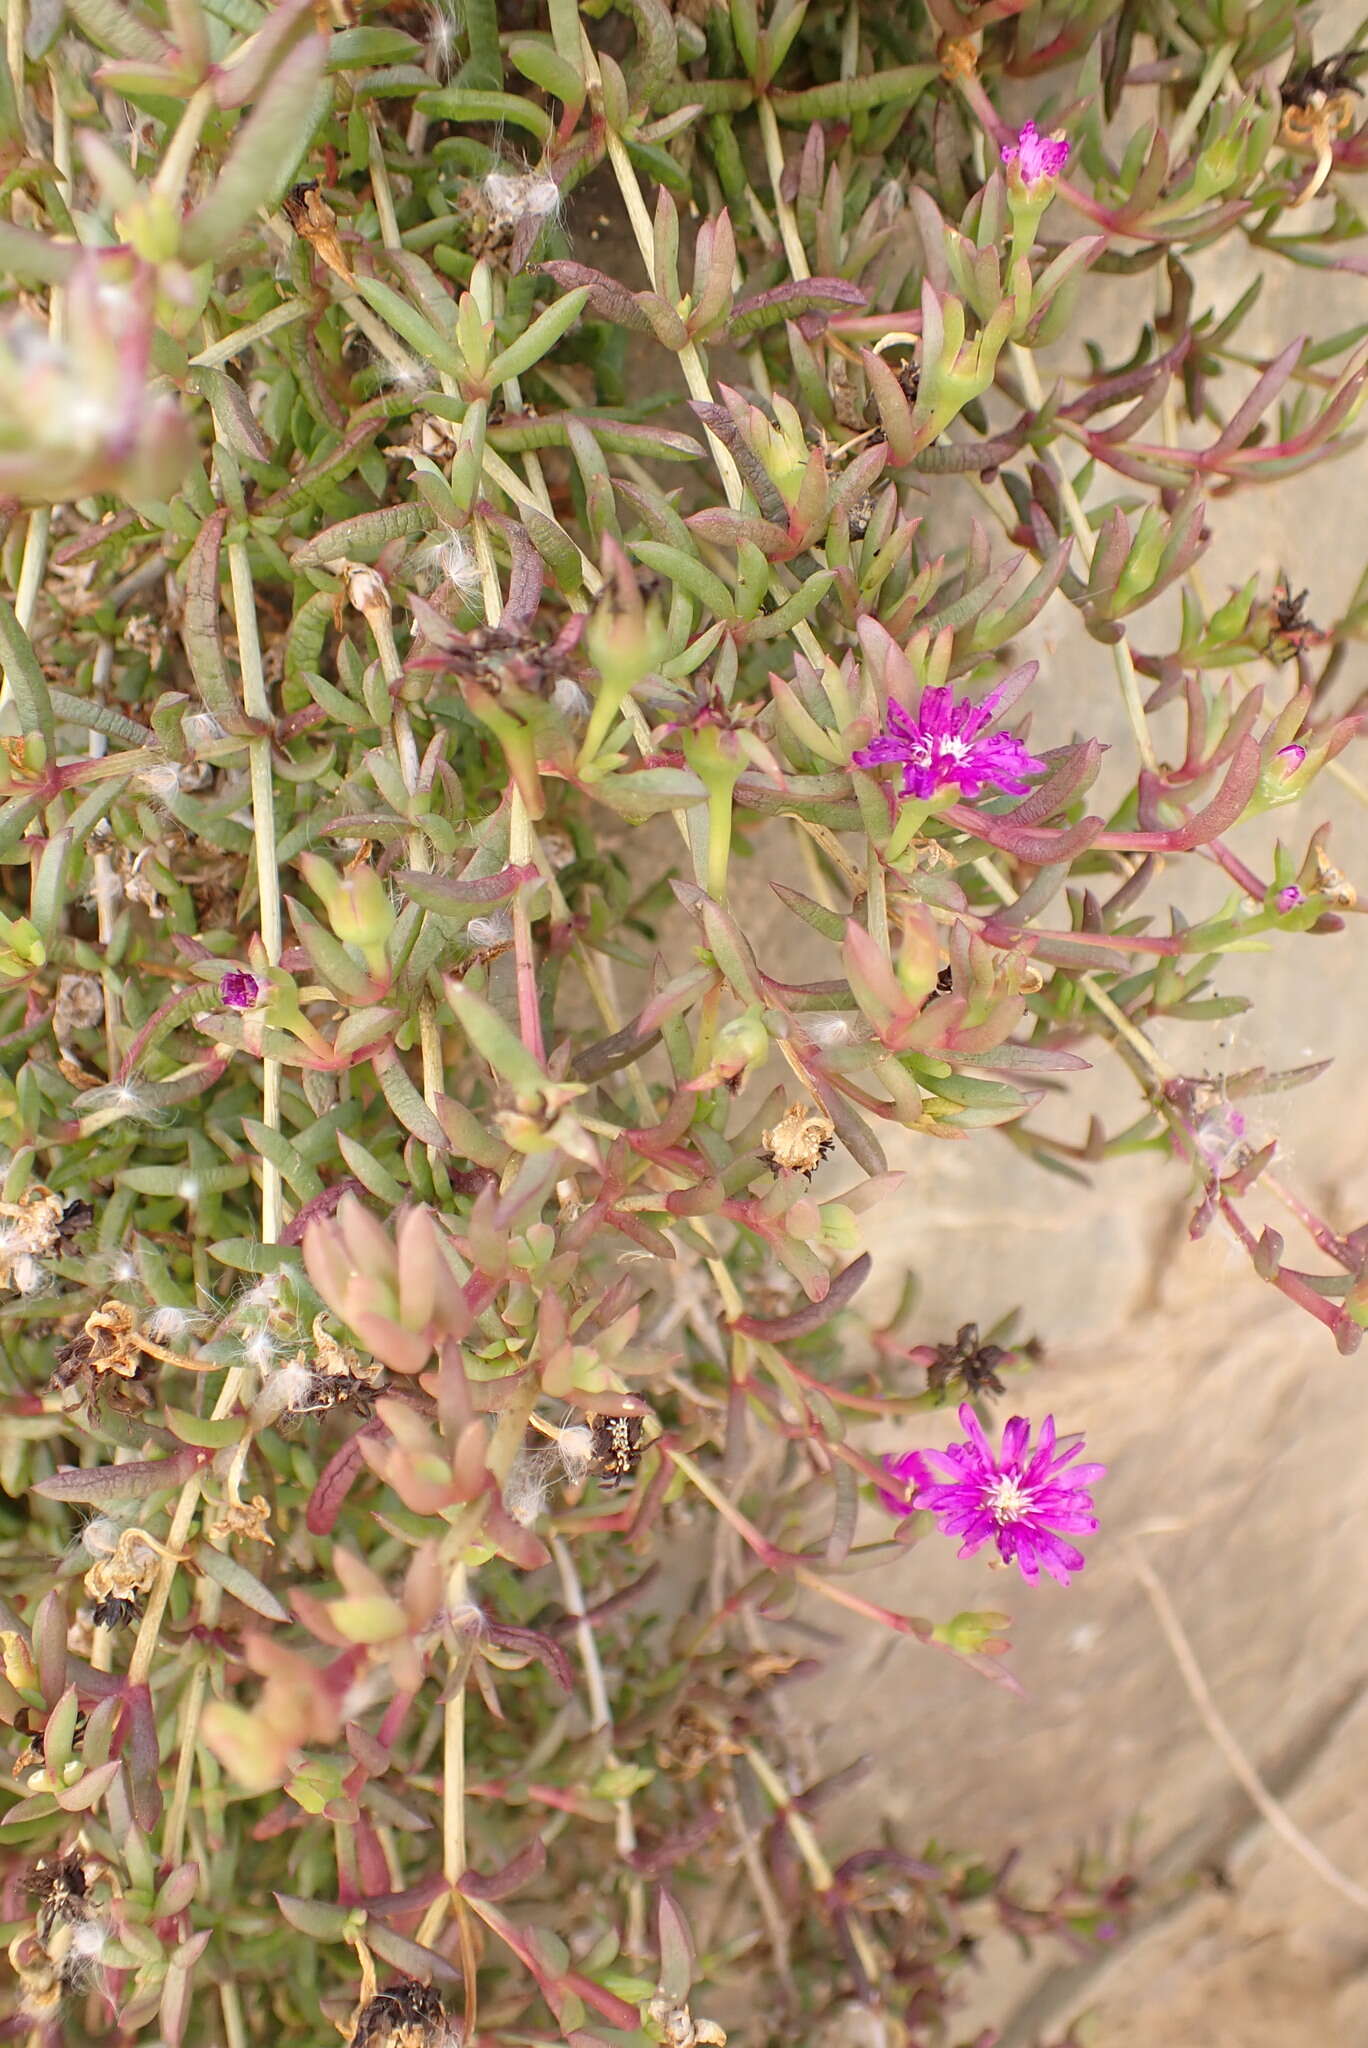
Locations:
(1007, 1500)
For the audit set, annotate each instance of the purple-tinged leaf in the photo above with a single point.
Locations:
(89, 1790)
(424, 1965)
(337, 1478)
(530, 1643)
(788, 301)
(235, 1579)
(841, 1292)
(50, 1647)
(177, 1891)
(459, 892)
(676, 1949)
(1071, 774)
(1243, 420)
(103, 1484)
(609, 299)
(1036, 849)
(200, 619)
(141, 1755)
(520, 1870)
(320, 1919)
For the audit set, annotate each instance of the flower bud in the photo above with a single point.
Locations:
(741, 1045)
(358, 907)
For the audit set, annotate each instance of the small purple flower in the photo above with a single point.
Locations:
(1290, 898)
(942, 743)
(238, 990)
(1294, 756)
(1036, 156)
(1022, 1502)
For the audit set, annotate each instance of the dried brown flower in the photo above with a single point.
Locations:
(957, 57)
(247, 1519)
(129, 1568)
(332, 1375)
(800, 1141)
(111, 1349)
(32, 1230)
(968, 1361)
(403, 2015)
(314, 221)
(696, 1736)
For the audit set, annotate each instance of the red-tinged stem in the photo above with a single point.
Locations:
(810, 1432)
(987, 115)
(1219, 852)
(396, 1713)
(1314, 1225)
(1290, 1284)
(769, 1554)
(901, 1624)
(529, 1009)
(872, 326)
(1008, 936)
(543, 1795)
(867, 1404)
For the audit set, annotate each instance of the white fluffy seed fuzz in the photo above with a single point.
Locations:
(520, 195)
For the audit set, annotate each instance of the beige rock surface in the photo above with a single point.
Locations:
(1228, 1422)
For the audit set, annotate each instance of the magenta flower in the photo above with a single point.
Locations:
(1036, 156)
(1025, 1504)
(1290, 898)
(238, 990)
(944, 742)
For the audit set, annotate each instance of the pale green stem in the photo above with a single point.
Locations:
(232, 2013)
(257, 704)
(1209, 84)
(406, 754)
(407, 370)
(876, 901)
(453, 1753)
(601, 1721)
(106, 889)
(174, 168)
(774, 163)
(690, 362)
(1148, 1054)
(380, 185)
(243, 338)
(1087, 541)
(719, 838)
(33, 567)
(187, 1736)
(520, 853)
(149, 1629)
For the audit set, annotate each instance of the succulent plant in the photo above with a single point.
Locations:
(410, 1215)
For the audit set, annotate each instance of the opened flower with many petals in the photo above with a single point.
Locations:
(945, 741)
(1025, 1503)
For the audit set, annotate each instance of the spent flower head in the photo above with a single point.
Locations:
(239, 990)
